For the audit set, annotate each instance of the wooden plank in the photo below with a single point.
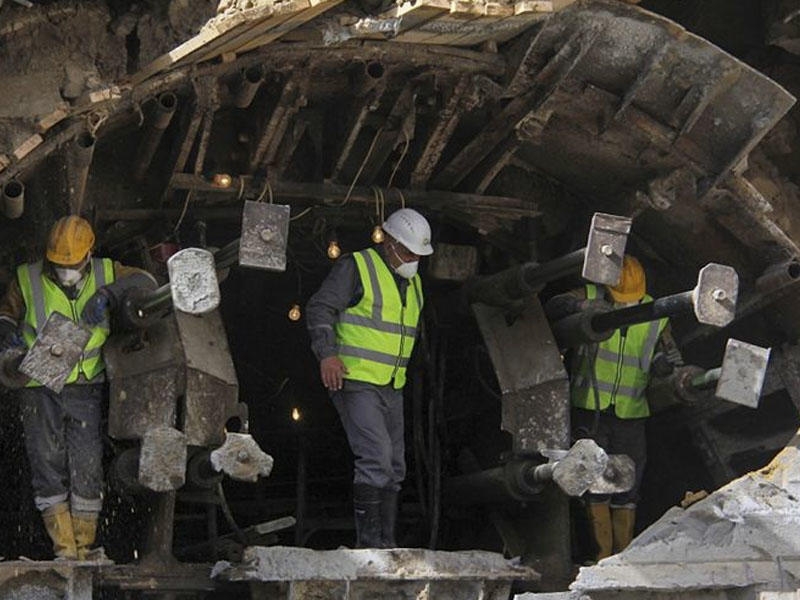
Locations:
(442, 30)
(58, 115)
(525, 14)
(214, 33)
(27, 146)
(410, 16)
(293, 22)
(244, 34)
(476, 32)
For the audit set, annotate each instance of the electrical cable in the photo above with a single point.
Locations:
(360, 169)
(226, 511)
(183, 212)
(399, 160)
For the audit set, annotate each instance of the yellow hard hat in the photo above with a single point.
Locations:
(71, 239)
(632, 282)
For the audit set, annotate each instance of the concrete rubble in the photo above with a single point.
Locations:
(740, 542)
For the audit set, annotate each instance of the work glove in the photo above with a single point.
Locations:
(95, 311)
(661, 366)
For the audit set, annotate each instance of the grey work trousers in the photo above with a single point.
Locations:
(615, 436)
(372, 417)
(64, 447)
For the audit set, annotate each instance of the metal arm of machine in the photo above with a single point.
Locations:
(713, 300)
(584, 467)
(601, 262)
(739, 379)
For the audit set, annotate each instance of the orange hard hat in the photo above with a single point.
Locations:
(632, 282)
(70, 240)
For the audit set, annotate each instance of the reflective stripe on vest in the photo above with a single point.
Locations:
(621, 367)
(375, 337)
(43, 296)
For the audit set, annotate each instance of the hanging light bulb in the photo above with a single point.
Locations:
(377, 234)
(222, 180)
(334, 251)
(294, 313)
(296, 416)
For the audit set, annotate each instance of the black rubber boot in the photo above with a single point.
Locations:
(367, 504)
(388, 518)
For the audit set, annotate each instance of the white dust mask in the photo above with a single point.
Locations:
(68, 277)
(407, 269)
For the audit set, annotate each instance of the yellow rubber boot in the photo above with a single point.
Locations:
(58, 523)
(84, 524)
(600, 521)
(623, 520)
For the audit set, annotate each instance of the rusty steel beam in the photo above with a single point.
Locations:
(543, 85)
(469, 93)
(331, 192)
(162, 112)
(394, 131)
(79, 161)
(292, 99)
(368, 105)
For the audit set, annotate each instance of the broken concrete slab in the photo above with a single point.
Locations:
(364, 573)
(744, 537)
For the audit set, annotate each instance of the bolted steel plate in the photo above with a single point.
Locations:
(605, 248)
(619, 476)
(582, 465)
(193, 281)
(715, 296)
(265, 235)
(162, 460)
(743, 370)
(55, 352)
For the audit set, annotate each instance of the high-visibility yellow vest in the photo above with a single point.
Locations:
(619, 367)
(43, 297)
(376, 335)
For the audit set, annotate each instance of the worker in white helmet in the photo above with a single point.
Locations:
(363, 323)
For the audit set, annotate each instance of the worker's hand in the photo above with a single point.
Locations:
(332, 371)
(96, 309)
(682, 384)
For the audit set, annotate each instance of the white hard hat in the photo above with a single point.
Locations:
(411, 229)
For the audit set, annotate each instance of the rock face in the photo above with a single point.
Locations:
(52, 55)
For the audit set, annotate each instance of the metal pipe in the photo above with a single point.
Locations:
(199, 471)
(79, 160)
(668, 306)
(142, 306)
(778, 276)
(523, 280)
(706, 379)
(161, 116)
(154, 301)
(593, 325)
(250, 79)
(13, 199)
(514, 482)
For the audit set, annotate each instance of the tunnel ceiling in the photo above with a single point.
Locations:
(485, 114)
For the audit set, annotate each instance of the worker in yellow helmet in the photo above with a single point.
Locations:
(62, 430)
(607, 392)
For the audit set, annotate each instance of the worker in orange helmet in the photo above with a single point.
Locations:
(62, 430)
(607, 392)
